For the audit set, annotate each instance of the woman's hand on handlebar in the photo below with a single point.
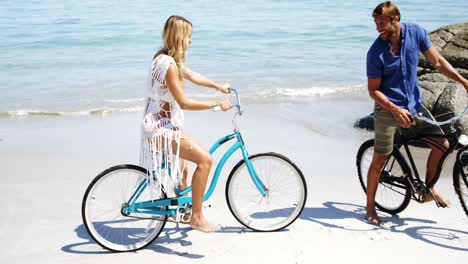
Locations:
(225, 105)
(224, 88)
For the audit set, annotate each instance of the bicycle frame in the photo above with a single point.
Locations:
(158, 207)
(426, 138)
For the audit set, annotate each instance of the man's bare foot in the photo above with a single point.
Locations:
(373, 218)
(200, 224)
(440, 200)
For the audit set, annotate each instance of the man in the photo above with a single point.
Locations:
(392, 62)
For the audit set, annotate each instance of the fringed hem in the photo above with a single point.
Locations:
(160, 160)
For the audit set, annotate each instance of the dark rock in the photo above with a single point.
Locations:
(450, 103)
(452, 42)
(430, 92)
(365, 122)
(441, 95)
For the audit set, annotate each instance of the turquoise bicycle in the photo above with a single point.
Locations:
(264, 192)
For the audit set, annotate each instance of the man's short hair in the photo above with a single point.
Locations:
(387, 9)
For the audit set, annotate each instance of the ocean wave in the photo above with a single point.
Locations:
(125, 100)
(96, 111)
(129, 105)
(67, 21)
(288, 93)
(305, 92)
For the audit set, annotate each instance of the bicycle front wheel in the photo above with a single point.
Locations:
(103, 209)
(460, 181)
(393, 192)
(286, 193)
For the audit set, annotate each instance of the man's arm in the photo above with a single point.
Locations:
(443, 66)
(402, 116)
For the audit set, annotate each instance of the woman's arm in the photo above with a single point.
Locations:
(201, 80)
(175, 87)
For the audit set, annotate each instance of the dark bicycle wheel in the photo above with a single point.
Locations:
(393, 192)
(460, 179)
(103, 209)
(286, 193)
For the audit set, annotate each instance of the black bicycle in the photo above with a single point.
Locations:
(399, 183)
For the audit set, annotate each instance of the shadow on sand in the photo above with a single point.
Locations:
(419, 229)
(170, 235)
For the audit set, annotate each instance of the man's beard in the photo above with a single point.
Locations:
(388, 34)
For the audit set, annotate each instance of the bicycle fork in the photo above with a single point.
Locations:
(253, 174)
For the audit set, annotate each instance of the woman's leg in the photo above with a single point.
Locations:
(184, 169)
(191, 151)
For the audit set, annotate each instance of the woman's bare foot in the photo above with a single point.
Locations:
(199, 223)
(373, 218)
(441, 201)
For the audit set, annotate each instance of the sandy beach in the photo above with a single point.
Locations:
(73, 82)
(47, 163)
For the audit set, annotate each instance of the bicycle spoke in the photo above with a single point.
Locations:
(102, 210)
(285, 194)
(393, 193)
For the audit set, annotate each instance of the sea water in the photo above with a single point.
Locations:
(91, 57)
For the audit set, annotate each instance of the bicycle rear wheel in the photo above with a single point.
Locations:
(393, 192)
(460, 182)
(286, 193)
(103, 215)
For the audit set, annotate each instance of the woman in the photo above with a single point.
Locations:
(165, 146)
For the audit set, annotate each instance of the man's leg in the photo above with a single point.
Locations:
(435, 155)
(373, 177)
(384, 127)
(432, 164)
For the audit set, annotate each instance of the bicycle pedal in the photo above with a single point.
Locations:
(183, 214)
(187, 216)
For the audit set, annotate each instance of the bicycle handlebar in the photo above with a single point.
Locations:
(238, 105)
(440, 123)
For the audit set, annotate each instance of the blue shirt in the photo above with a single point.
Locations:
(399, 72)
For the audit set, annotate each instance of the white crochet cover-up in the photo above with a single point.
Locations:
(162, 121)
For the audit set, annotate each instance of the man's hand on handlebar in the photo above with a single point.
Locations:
(403, 117)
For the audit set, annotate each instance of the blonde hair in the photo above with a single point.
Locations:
(176, 37)
(387, 9)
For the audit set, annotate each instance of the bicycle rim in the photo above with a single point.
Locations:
(286, 196)
(102, 205)
(393, 193)
(461, 184)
